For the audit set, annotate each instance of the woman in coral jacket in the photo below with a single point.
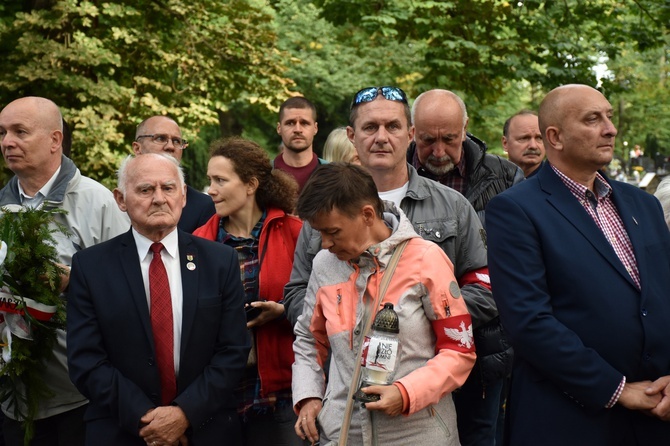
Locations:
(359, 234)
(252, 204)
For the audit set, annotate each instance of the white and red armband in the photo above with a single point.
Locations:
(454, 333)
(478, 276)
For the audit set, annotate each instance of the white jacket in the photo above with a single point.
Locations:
(92, 217)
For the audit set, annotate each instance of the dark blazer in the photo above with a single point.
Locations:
(199, 208)
(576, 320)
(110, 344)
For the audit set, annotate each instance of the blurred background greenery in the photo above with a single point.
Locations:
(222, 68)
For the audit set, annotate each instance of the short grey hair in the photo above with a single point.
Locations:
(122, 173)
(451, 94)
(141, 127)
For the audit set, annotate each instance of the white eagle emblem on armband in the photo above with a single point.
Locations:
(463, 336)
(483, 277)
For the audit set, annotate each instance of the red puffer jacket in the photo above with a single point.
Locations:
(274, 340)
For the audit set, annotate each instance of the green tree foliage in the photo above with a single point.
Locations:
(501, 55)
(223, 68)
(109, 65)
(640, 91)
(329, 61)
(478, 47)
(332, 61)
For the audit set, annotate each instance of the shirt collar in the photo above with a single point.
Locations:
(170, 243)
(223, 235)
(44, 190)
(461, 165)
(600, 185)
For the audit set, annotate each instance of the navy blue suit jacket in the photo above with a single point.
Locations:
(576, 320)
(111, 354)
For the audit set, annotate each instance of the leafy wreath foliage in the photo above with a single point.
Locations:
(30, 270)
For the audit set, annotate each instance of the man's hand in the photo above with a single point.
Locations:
(269, 312)
(635, 397)
(390, 402)
(164, 426)
(661, 388)
(305, 427)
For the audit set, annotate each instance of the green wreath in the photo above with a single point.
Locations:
(31, 308)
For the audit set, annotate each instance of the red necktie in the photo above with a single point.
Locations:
(161, 324)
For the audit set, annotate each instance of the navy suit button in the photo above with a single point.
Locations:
(647, 356)
(151, 361)
(643, 312)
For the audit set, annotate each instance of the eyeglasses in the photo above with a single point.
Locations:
(370, 94)
(162, 139)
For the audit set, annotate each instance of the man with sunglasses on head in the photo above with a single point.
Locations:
(161, 134)
(380, 129)
(443, 151)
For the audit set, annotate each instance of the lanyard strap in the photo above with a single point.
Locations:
(388, 274)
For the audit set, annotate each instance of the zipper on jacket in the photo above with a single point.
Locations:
(371, 298)
(440, 421)
(339, 300)
(375, 440)
(445, 302)
(337, 310)
(353, 307)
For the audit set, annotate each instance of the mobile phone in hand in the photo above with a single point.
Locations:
(252, 312)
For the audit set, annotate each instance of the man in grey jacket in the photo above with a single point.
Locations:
(31, 137)
(380, 129)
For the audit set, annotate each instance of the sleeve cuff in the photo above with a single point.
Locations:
(405, 397)
(617, 394)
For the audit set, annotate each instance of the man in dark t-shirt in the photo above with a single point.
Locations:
(297, 126)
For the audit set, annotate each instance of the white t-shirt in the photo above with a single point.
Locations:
(395, 195)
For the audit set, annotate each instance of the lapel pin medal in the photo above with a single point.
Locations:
(190, 265)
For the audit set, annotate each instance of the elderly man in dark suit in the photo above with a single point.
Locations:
(157, 335)
(580, 265)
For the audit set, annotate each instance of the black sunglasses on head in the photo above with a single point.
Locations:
(370, 94)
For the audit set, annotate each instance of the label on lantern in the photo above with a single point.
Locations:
(379, 354)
